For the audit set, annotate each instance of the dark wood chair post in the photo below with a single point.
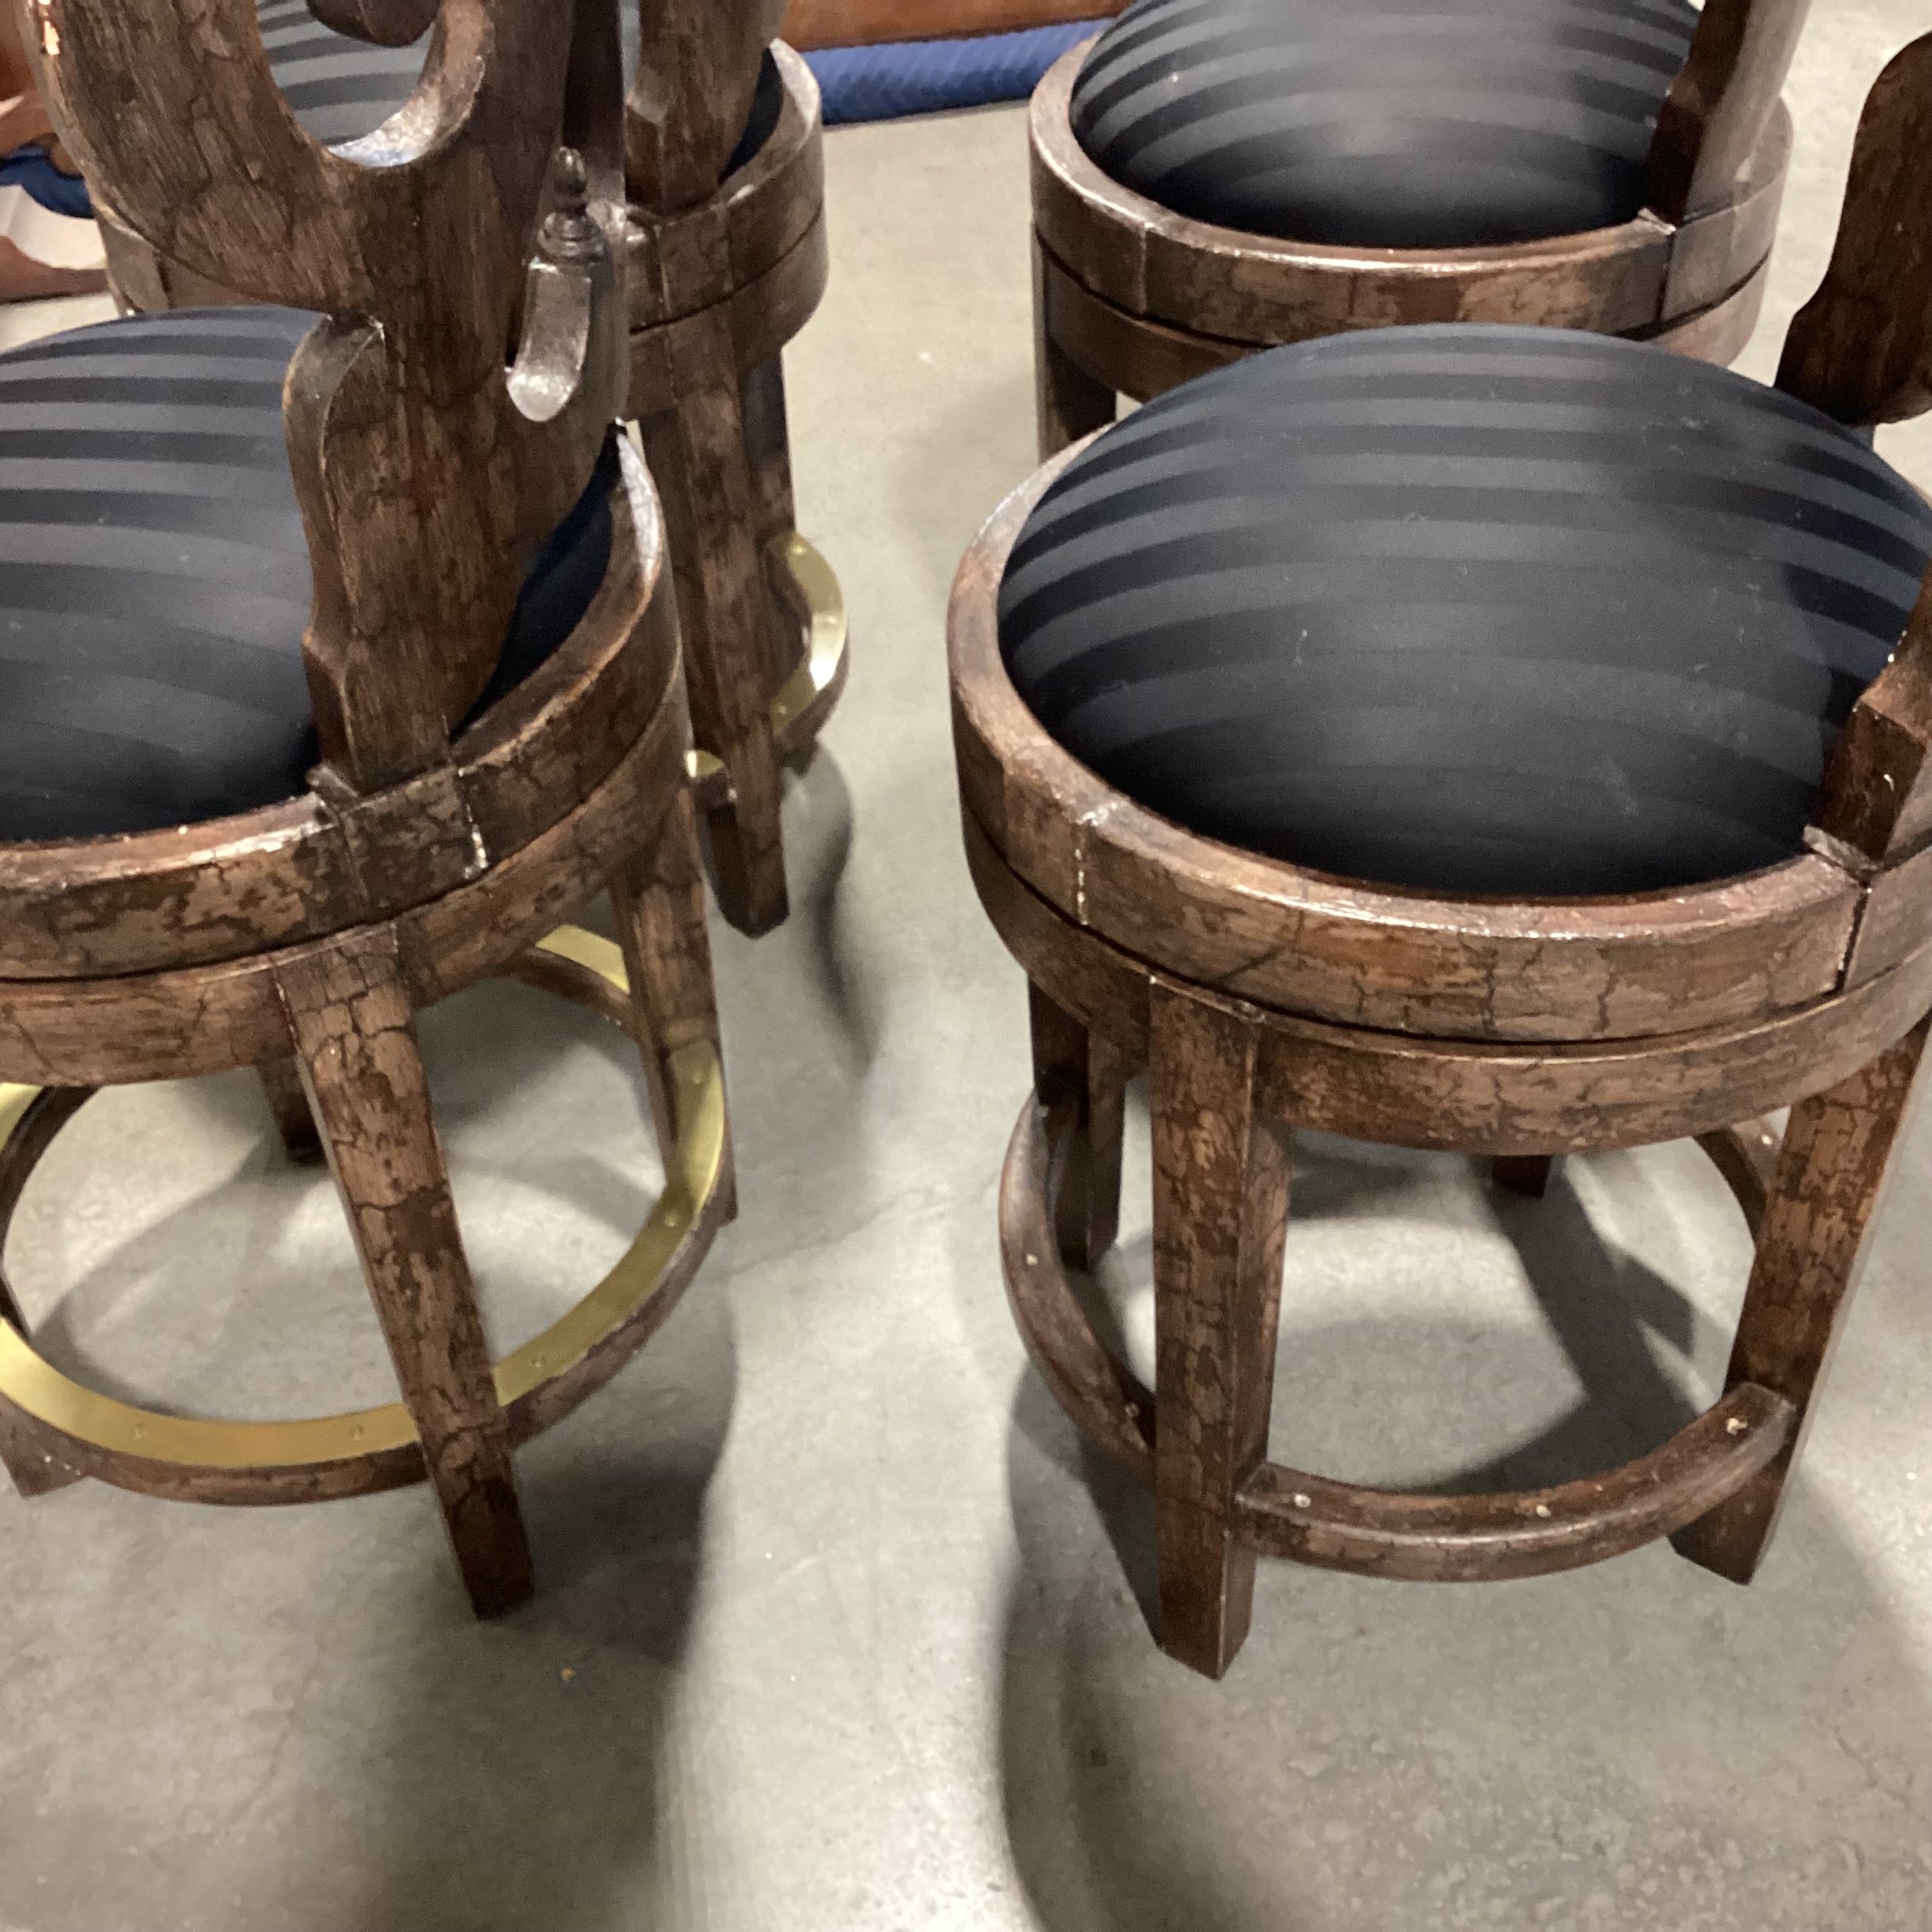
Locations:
(1829, 1180)
(1861, 350)
(698, 453)
(1068, 402)
(1221, 1181)
(1721, 104)
(714, 460)
(356, 1041)
(1078, 1068)
(288, 1103)
(768, 443)
(1526, 1174)
(660, 903)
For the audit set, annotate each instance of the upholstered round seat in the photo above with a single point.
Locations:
(155, 583)
(1468, 609)
(1423, 124)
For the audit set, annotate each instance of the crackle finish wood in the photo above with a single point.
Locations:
(723, 274)
(1261, 997)
(1131, 298)
(720, 274)
(300, 939)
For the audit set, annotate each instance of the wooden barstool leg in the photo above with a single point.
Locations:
(1221, 1175)
(659, 899)
(32, 1473)
(699, 455)
(1087, 1068)
(1830, 1175)
(768, 445)
(356, 1046)
(282, 1083)
(1527, 1174)
(1070, 403)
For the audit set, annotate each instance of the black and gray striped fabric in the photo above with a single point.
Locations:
(1468, 609)
(340, 89)
(154, 581)
(1384, 123)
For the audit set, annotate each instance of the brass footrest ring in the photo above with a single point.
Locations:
(54, 1418)
(806, 583)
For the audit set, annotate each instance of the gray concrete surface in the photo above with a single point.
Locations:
(839, 1630)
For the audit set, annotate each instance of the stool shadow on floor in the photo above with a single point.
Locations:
(819, 824)
(371, 1756)
(523, 1780)
(1636, 1745)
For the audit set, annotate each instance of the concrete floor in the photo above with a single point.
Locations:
(839, 1630)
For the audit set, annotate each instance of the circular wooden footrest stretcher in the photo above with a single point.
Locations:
(806, 584)
(373, 1449)
(1386, 1533)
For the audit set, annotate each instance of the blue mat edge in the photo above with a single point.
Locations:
(907, 77)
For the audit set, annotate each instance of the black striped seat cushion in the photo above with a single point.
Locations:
(340, 89)
(154, 581)
(1384, 123)
(1468, 609)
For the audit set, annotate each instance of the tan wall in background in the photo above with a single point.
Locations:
(864, 22)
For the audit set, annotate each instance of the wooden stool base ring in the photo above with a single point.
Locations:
(1282, 1512)
(75, 1431)
(807, 584)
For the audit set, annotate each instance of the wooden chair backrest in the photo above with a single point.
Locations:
(1721, 103)
(698, 67)
(449, 406)
(1861, 350)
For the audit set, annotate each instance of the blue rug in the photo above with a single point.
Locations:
(29, 167)
(925, 77)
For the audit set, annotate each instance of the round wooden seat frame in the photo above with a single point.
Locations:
(719, 276)
(300, 938)
(1131, 298)
(1262, 996)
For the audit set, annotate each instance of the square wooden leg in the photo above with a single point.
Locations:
(356, 1046)
(1069, 1060)
(32, 1471)
(1221, 1183)
(659, 900)
(1527, 1174)
(700, 459)
(1069, 402)
(1829, 1180)
(289, 1103)
(774, 515)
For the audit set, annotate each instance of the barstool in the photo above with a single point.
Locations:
(728, 263)
(1212, 177)
(1490, 739)
(725, 242)
(226, 841)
